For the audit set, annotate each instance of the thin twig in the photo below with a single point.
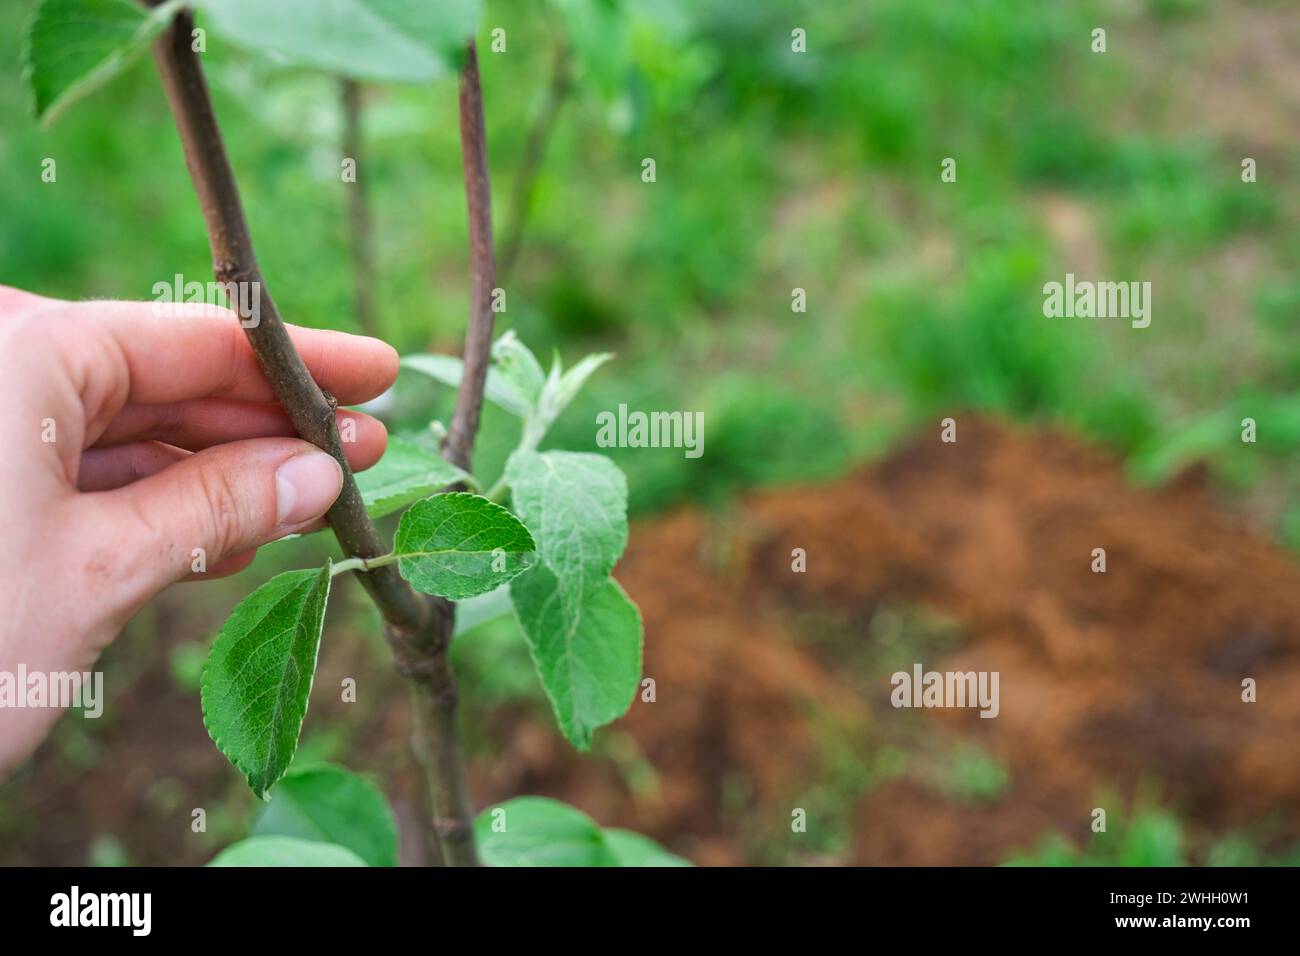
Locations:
(310, 410)
(459, 441)
(360, 231)
(417, 628)
(437, 732)
(530, 163)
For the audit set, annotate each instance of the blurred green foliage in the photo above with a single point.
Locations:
(1153, 837)
(775, 170)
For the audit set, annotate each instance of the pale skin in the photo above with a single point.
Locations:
(136, 441)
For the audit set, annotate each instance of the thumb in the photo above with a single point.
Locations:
(220, 502)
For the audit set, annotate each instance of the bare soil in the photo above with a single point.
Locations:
(1112, 684)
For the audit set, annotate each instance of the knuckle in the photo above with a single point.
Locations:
(226, 515)
(234, 362)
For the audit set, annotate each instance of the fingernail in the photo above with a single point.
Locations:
(305, 487)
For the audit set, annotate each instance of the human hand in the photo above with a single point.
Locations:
(138, 444)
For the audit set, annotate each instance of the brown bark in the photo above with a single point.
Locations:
(418, 628)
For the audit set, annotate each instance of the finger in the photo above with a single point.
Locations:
(176, 357)
(215, 504)
(12, 299)
(231, 565)
(103, 469)
(203, 423)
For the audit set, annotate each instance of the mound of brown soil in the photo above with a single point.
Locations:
(1107, 680)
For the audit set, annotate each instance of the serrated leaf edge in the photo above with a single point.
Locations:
(583, 742)
(264, 794)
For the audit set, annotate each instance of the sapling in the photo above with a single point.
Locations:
(541, 539)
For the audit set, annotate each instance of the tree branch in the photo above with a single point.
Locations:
(418, 629)
(459, 441)
(233, 259)
(437, 730)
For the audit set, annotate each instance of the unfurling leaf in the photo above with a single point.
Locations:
(259, 673)
(516, 383)
(571, 381)
(518, 366)
(558, 390)
(459, 545)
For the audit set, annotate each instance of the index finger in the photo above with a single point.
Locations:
(173, 355)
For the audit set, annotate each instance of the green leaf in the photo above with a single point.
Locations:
(285, 851)
(515, 382)
(538, 831)
(584, 634)
(75, 46)
(558, 390)
(572, 381)
(587, 657)
(406, 473)
(448, 370)
(406, 41)
(535, 831)
(328, 804)
(545, 413)
(575, 504)
(482, 608)
(633, 849)
(518, 366)
(259, 674)
(459, 545)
